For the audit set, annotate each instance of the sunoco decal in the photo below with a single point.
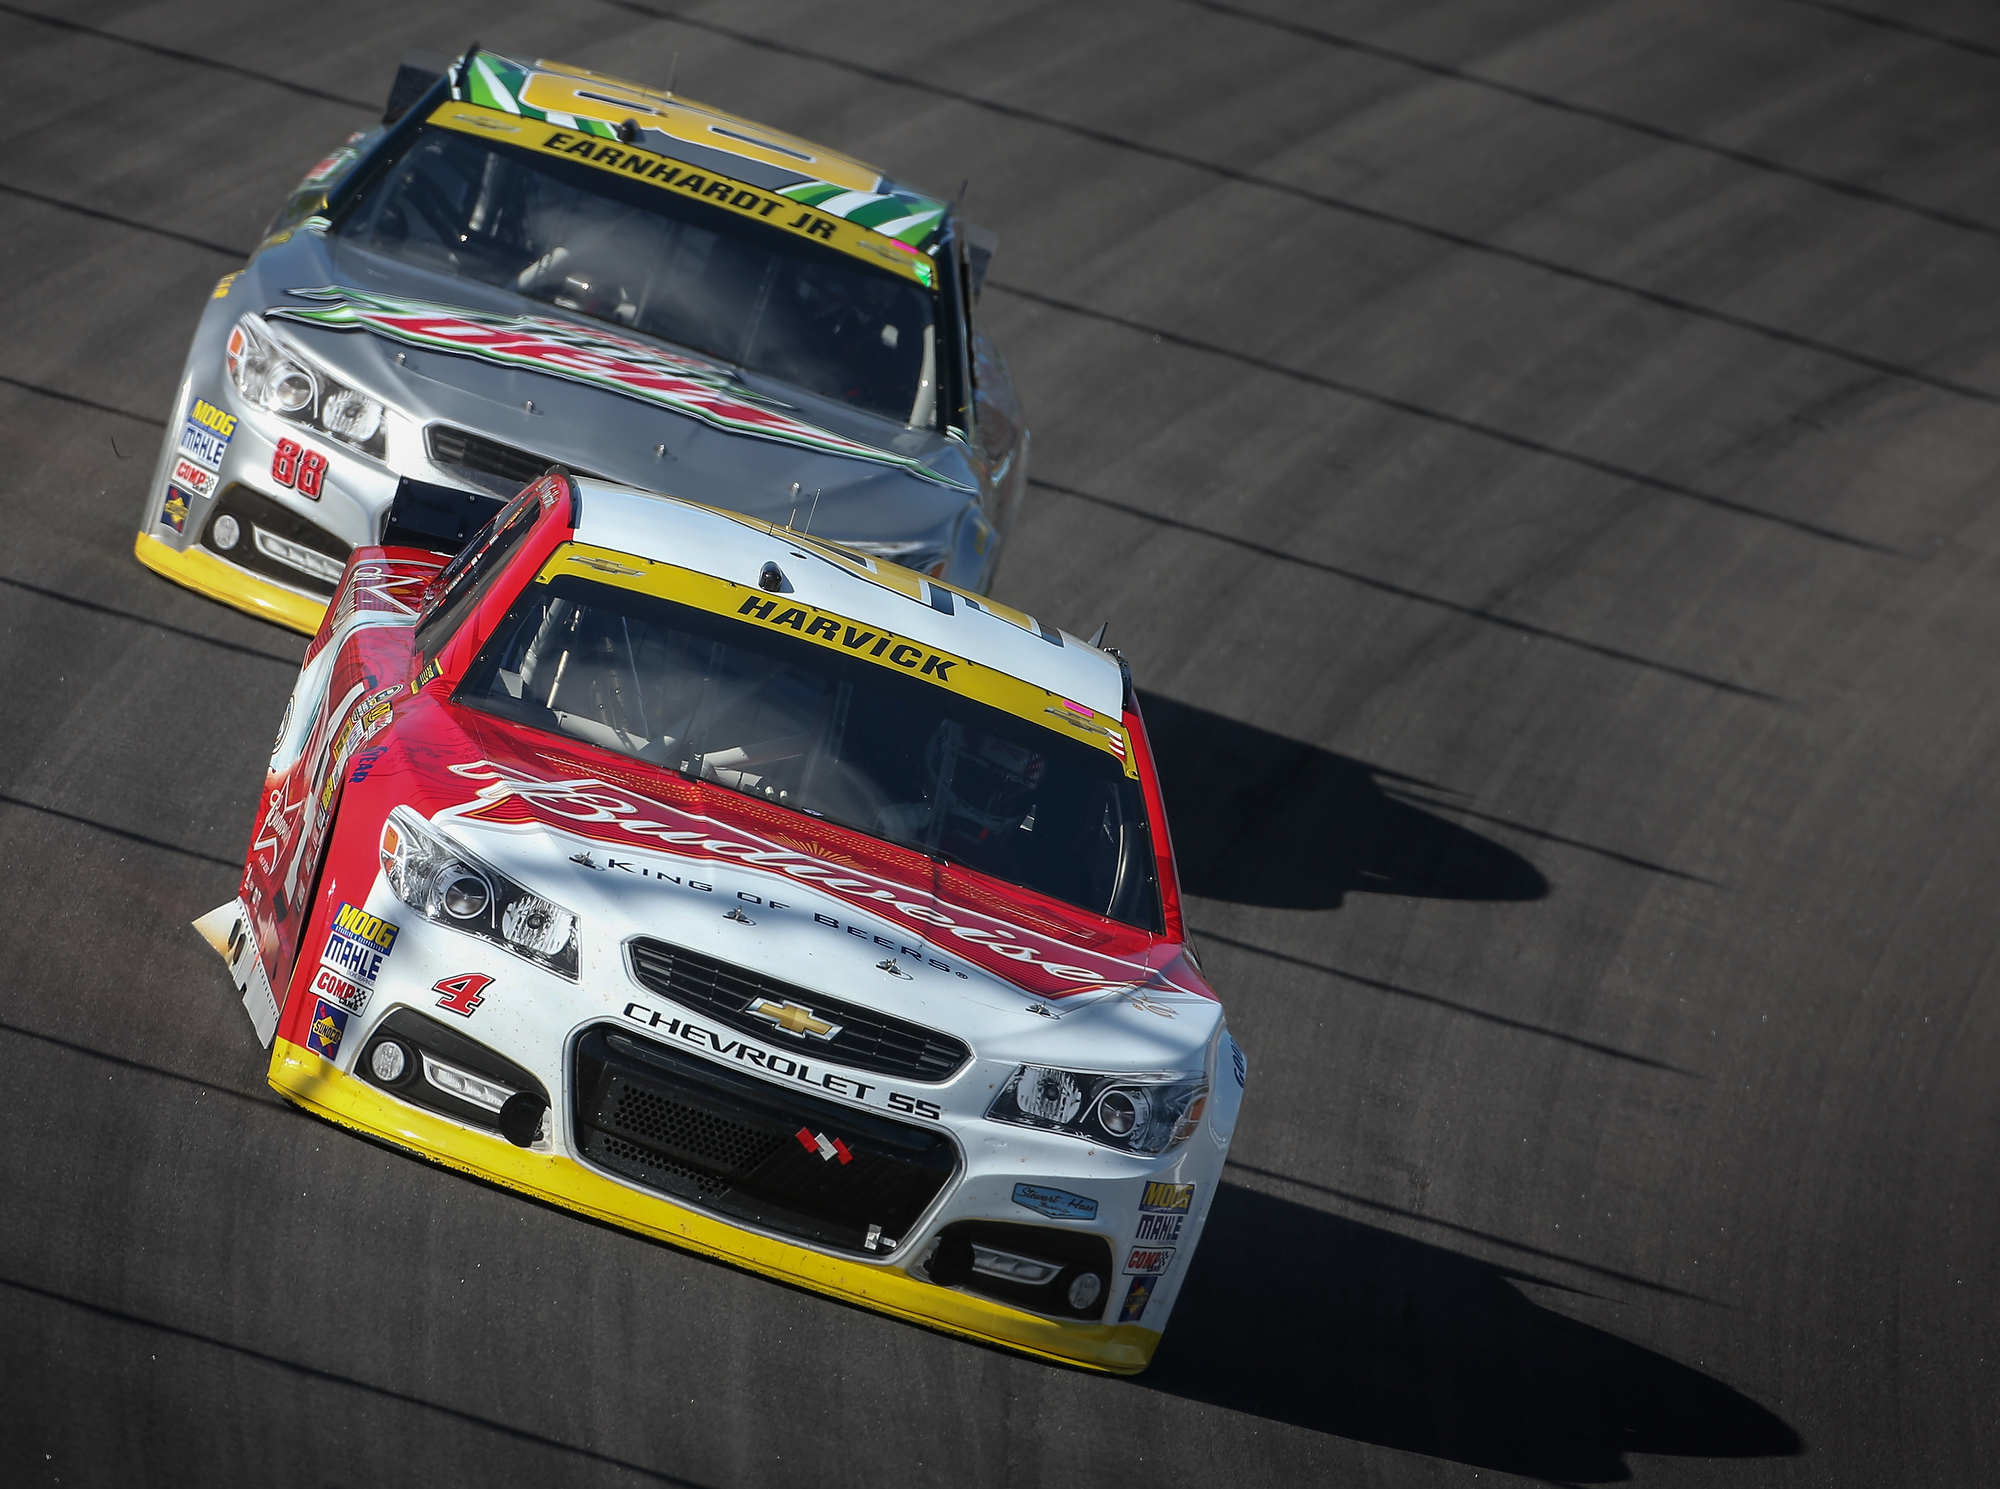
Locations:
(579, 354)
(1137, 1296)
(324, 1033)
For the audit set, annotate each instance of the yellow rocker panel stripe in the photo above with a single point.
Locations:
(205, 574)
(314, 1083)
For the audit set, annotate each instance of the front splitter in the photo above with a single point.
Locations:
(205, 574)
(315, 1084)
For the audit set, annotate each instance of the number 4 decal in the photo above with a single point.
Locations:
(463, 993)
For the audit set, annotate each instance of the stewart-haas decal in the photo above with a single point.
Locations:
(580, 354)
(599, 810)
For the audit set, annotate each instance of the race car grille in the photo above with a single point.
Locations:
(745, 1148)
(486, 462)
(860, 1037)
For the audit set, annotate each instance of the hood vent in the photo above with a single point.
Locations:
(486, 463)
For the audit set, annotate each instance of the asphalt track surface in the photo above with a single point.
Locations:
(1540, 457)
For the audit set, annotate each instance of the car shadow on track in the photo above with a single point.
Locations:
(1325, 1323)
(1260, 819)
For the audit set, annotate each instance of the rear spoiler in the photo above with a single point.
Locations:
(438, 518)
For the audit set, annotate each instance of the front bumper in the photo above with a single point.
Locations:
(218, 579)
(284, 550)
(321, 1087)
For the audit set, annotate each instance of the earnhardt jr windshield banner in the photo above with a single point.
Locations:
(581, 354)
(508, 97)
(854, 222)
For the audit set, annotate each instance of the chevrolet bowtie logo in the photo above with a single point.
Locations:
(793, 1019)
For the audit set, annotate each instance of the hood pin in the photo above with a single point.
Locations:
(735, 912)
(888, 964)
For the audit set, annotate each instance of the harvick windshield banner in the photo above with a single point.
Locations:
(840, 633)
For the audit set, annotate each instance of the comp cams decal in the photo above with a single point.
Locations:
(581, 354)
(329, 984)
(198, 479)
(1148, 1261)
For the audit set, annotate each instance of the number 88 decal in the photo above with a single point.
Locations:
(293, 464)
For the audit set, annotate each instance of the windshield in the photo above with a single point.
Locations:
(666, 265)
(832, 736)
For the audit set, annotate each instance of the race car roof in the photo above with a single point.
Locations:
(828, 577)
(592, 103)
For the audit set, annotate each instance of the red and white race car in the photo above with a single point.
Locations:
(751, 893)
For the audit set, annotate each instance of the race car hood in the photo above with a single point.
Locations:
(633, 851)
(601, 399)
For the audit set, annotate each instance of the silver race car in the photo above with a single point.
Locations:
(533, 265)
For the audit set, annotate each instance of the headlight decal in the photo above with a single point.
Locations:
(274, 377)
(451, 887)
(1141, 1113)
